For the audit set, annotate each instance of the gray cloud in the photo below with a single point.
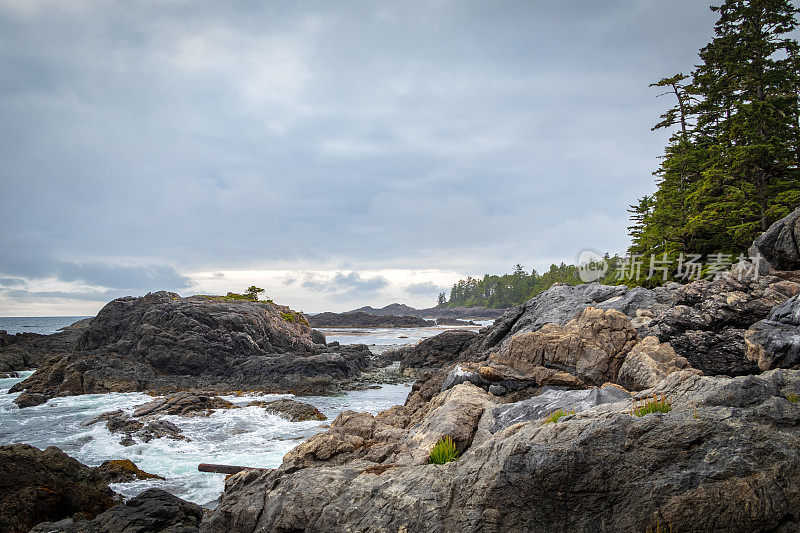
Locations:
(348, 285)
(423, 289)
(207, 137)
(12, 282)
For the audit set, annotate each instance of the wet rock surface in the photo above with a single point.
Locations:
(162, 342)
(737, 437)
(47, 485)
(153, 511)
(291, 410)
(780, 244)
(775, 341)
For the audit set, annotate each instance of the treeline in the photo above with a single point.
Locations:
(730, 168)
(509, 290)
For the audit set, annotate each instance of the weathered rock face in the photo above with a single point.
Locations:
(162, 342)
(30, 350)
(705, 321)
(648, 363)
(433, 352)
(122, 471)
(184, 404)
(47, 485)
(357, 319)
(153, 511)
(726, 458)
(775, 341)
(780, 244)
(591, 347)
(291, 410)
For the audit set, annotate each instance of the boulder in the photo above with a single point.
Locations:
(648, 363)
(433, 352)
(153, 511)
(775, 341)
(162, 342)
(590, 347)
(47, 485)
(183, 404)
(291, 410)
(779, 246)
(123, 471)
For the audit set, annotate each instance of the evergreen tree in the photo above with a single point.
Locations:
(730, 168)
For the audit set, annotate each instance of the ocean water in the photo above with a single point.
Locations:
(247, 436)
(391, 336)
(36, 324)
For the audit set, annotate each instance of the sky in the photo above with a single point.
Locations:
(337, 154)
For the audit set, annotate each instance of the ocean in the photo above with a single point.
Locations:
(36, 324)
(247, 436)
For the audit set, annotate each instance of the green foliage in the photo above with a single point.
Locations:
(289, 317)
(443, 451)
(508, 290)
(793, 397)
(557, 414)
(651, 405)
(731, 167)
(254, 291)
(251, 294)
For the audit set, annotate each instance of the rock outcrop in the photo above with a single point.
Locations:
(291, 410)
(433, 352)
(648, 363)
(725, 458)
(23, 351)
(153, 511)
(775, 341)
(358, 319)
(47, 485)
(779, 246)
(592, 346)
(162, 342)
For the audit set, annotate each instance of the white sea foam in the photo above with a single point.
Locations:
(248, 436)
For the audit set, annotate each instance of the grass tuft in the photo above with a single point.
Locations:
(558, 413)
(793, 397)
(652, 405)
(443, 452)
(659, 528)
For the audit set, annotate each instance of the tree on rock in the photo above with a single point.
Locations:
(253, 292)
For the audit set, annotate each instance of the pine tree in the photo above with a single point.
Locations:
(730, 168)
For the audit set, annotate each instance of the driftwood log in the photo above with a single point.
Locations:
(224, 469)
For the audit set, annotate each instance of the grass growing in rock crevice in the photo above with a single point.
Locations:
(652, 405)
(443, 452)
(558, 413)
(793, 397)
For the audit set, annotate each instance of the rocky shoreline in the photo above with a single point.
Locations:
(588, 408)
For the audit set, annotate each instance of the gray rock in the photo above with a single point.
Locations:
(775, 341)
(780, 244)
(162, 342)
(433, 352)
(552, 399)
(153, 511)
(726, 458)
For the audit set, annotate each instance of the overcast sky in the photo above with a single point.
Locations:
(337, 154)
